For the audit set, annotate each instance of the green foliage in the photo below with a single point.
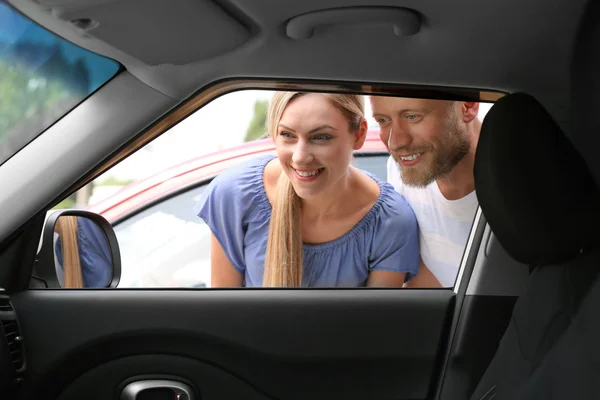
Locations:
(113, 181)
(258, 125)
(25, 96)
(66, 203)
(38, 85)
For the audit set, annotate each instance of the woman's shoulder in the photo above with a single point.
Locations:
(388, 213)
(392, 208)
(388, 200)
(238, 186)
(246, 173)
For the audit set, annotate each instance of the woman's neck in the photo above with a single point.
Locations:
(330, 202)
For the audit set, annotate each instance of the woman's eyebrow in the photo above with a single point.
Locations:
(312, 130)
(286, 127)
(322, 127)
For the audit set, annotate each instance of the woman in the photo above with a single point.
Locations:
(307, 218)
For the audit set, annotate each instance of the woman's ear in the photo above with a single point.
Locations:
(361, 135)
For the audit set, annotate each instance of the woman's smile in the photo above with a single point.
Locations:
(307, 175)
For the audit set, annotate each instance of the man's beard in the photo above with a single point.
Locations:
(453, 146)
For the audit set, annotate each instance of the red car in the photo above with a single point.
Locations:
(156, 226)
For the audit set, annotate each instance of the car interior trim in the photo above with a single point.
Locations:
(467, 251)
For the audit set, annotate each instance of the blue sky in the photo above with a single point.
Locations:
(14, 28)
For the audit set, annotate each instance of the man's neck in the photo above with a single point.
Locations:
(459, 182)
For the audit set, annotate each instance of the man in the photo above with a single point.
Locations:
(432, 145)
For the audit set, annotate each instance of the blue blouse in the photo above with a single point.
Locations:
(236, 209)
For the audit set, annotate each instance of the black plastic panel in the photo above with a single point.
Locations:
(207, 381)
(6, 368)
(482, 324)
(294, 344)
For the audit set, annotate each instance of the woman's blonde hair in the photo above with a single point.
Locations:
(66, 227)
(283, 262)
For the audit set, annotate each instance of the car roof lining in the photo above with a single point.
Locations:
(508, 46)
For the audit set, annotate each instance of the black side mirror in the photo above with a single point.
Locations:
(78, 249)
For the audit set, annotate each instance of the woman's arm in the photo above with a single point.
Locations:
(385, 279)
(424, 279)
(222, 273)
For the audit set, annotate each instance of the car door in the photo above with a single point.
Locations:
(244, 343)
(211, 344)
(254, 344)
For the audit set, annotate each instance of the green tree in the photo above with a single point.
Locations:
(32, 99)
(66, 203)
(29, 103)
(258, 125)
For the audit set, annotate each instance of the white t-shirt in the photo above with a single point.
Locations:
(444, 225)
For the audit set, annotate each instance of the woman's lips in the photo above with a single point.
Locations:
(308, 175)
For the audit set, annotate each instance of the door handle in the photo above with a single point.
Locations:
(151, 388)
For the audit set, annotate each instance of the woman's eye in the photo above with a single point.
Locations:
(286, 134)
(321, 137)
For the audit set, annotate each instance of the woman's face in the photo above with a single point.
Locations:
(314, 144)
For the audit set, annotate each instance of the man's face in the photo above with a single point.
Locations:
(427, 138)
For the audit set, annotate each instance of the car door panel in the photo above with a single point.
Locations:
(289, 344)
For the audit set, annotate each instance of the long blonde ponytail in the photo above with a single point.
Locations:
(66, 227)
(283, 264)
(284, 258)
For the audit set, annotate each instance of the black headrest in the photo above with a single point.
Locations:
(534, 189)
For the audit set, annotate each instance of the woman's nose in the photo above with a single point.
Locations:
(302, 154)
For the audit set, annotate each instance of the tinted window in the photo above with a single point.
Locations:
(42, 76)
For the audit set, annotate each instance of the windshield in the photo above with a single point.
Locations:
(42, 77)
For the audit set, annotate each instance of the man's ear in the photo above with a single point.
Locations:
(469, 110)
(361, 135)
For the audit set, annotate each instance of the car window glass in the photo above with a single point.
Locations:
(42, 76)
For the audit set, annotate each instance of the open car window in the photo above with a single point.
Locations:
(42, 77)
(151, 198)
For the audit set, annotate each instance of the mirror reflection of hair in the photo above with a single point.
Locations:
(66, 227)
